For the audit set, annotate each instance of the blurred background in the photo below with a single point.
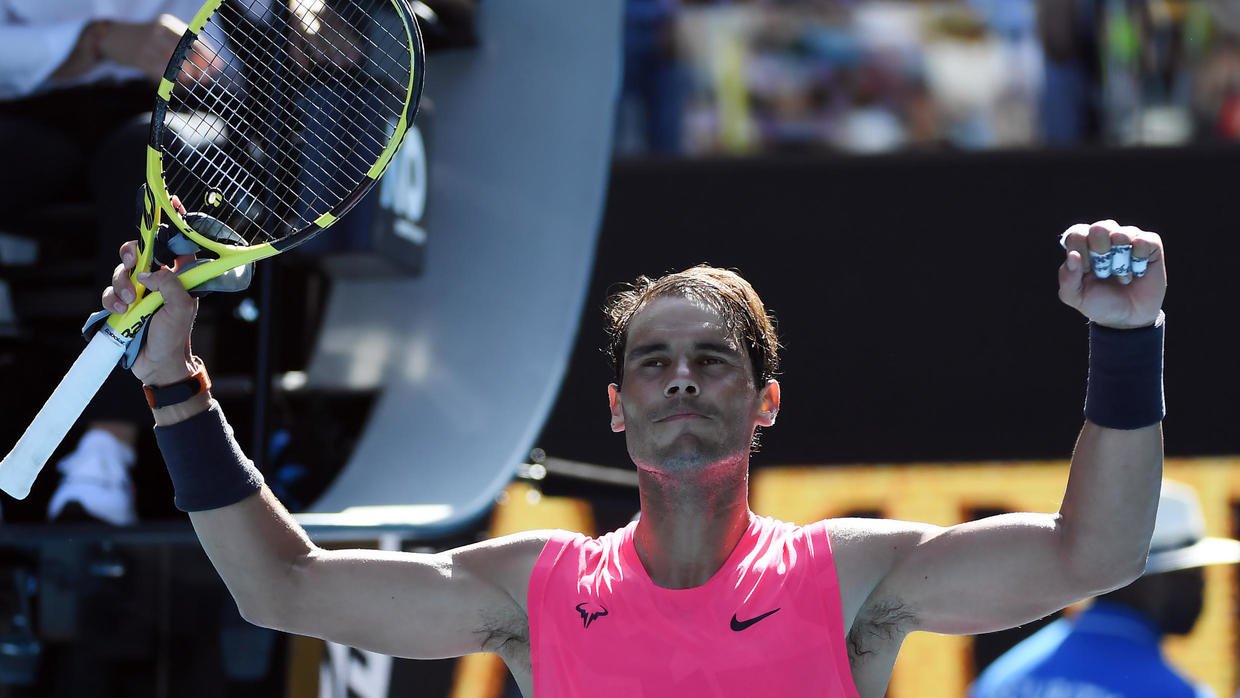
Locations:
(892, 176)
(744, 78)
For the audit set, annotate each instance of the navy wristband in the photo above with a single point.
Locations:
(205, 462)
(1125, 388)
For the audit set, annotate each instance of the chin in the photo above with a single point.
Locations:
(693, 461)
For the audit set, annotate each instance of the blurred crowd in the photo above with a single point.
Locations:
(869, 76)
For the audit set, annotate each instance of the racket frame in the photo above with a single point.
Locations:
(21, 466)
(157, 201)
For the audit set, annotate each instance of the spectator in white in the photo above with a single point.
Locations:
(76, 84)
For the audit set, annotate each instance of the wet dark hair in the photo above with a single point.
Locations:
(722, 290)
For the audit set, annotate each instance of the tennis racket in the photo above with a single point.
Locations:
(273, 118)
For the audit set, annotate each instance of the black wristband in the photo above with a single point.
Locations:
(1125, 388)
(205, 462)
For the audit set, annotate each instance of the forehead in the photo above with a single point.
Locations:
(667, 318)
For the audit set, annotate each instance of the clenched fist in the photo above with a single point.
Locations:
(1115, 275)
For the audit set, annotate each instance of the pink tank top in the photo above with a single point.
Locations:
(768, 623)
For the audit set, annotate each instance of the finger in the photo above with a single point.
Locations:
(1100, 248)
(129, 254)
(1071, 283)
(166, 282)
(113, 302)
(122, 289)
(1076, 245)
(181, 261)
(1121, 253)
(176, 204)
(1145, 251)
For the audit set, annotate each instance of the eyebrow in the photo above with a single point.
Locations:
(642, 350)
(647, 349)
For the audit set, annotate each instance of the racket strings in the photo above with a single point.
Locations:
(298, 126)
(279, 125)
(396, 93)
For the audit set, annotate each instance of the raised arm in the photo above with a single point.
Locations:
(412, 605)
(1005, 570)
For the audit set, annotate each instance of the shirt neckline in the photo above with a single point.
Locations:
(628, 550)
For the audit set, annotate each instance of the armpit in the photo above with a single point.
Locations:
(878, 628)
(505, 634)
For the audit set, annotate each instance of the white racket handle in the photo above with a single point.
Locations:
(19, 469)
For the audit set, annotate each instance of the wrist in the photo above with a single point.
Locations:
(91, 41)
(164, 395)
(1125, 385)
(172, 414)
(94, 37)
(207, 466)
(176, 372)
(1157, 321)
(84, 55)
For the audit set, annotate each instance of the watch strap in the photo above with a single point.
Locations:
(196, 383)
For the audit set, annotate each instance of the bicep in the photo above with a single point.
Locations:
(414, 605)
(979, 576)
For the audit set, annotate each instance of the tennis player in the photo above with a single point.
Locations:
(700, 596)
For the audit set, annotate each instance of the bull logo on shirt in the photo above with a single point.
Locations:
(590, 612)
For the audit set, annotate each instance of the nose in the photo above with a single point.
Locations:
(678, 387)
(681, 383)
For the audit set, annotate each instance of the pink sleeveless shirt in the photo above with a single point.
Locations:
(768, 623)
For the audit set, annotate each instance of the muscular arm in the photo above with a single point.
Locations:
(411, 605)
(424, 606)
(1005, 570)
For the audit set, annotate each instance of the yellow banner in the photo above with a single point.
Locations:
(933, 666)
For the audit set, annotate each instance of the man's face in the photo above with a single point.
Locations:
(1183, 599)
(688, 400)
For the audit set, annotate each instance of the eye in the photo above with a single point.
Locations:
(653, 363)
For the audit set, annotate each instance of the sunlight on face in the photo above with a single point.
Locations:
(688, 401)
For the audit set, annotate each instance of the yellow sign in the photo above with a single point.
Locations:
(929, 666)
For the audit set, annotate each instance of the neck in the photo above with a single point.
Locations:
(687, 529)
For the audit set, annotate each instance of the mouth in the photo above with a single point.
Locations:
(681, 417)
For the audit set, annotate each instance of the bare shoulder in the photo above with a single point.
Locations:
(876, 622)
(865, 551)
(501, 619)
(506, 561)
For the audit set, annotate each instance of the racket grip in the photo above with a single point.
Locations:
(19, 469)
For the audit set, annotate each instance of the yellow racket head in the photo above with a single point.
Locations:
(276, 118)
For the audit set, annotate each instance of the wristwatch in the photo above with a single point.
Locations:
(197, 383)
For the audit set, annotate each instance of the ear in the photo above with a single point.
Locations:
(768, 403)
(617, 410)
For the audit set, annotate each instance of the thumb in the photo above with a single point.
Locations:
(176, 299)
(1071, 282)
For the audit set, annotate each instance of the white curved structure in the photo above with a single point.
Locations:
(470, 355)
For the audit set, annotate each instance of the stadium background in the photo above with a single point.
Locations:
(929, 373)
